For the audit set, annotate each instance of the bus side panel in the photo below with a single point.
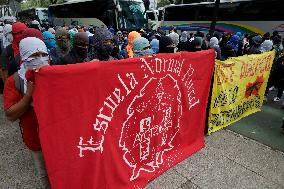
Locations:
(78, 21)
(250, 27)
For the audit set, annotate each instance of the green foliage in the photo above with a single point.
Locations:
(163, 3)
(38, 3)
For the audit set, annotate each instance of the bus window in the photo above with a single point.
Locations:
(261, 10)
(228, 12)
(150, 15)
(205, 12)
(133, 14)
(180, 13)
(130, 15)
(42, 15)
(161, 15)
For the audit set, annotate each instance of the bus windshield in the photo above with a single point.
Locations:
(133, 14)
(42, 15)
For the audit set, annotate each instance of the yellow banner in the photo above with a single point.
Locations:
(238, 88)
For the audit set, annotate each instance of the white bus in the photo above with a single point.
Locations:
(119, 14)
(246, 16)
(39, 14)
(154, 18)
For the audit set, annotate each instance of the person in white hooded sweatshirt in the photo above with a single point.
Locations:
(18, 104)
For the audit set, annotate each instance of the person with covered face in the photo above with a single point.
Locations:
(29, 32)
(11, 60)
(131, 37)
(49, 40)
(103, 45)
(4, 59)
(155, 45)
(121, 43)
(214, 44)
(141, 47)
(18, 104)
(166, 45)
(79, 52)
(62, 46)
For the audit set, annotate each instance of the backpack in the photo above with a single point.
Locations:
(19, 83)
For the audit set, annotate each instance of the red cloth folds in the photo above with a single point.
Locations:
(121, 124)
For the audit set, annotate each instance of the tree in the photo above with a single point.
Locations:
(39, 3)
(163, 3)
(53, 1)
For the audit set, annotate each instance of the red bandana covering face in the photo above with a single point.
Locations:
(17, 30)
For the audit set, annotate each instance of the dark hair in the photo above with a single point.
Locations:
(266, 36)
(275, 33)
(200, 34)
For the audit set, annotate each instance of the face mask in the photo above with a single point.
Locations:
(82, 51)
(106, 50)
(146, 52)
(169, 50)
(63, 44)
(32, 63)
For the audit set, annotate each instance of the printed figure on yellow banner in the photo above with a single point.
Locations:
(238, 88)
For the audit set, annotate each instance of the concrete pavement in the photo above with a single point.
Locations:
(229, 160)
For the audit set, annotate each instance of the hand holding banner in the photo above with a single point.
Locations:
(238, 89)
(120, 124)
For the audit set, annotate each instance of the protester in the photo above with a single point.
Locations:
(234, 43)
(36, 25)
(277, 45)
(266, 45)
(141, 47)
(7, 35)
(166, 45)
(266, 36)
(62, 48)
(155, 46)
(14, 66)
(18, 100)
(214, 44)
(1, 38)
(282, 128)
(183, 42)
(49, 40)
(31, 32)
(4, 58)
(175, 38)
(51, 30)
(277, 78)
(17, 29)
(256, 42)
(103, 45)
(122, 44)
(197, 44)
(131, 37)
(79, 52)
(204, 45)
(71, 37)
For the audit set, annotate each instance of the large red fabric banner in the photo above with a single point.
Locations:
(120, 124)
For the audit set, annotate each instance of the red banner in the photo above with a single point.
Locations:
(120, 124)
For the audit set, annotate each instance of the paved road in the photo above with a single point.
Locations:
(229, 160)
(264, 126)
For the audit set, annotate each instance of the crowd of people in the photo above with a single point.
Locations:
(26, 48)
